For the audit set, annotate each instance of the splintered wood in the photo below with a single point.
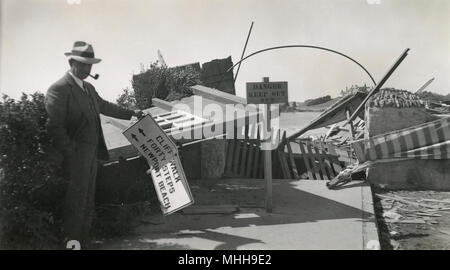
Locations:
(398, 209)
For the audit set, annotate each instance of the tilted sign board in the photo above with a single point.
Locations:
(151, 141)
(267, 92)
(171, 187)
(166, 170)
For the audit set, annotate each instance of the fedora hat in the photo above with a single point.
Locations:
(82, 52)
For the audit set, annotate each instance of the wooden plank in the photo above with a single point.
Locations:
(210, 209)
(329, 166)
(237, 153)
(277, 137)
(251, 153)
(257, 154)
(334, 159)
(320, 158)
(314, 165)
(336, 164)
(230, 155)
(244, 151)
(352, 129)
(261, 165)
(165, 105)
(402, 200)
(291, 159)
(306, 160)
(217, 95)
(282, 157)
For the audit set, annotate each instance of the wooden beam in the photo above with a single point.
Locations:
(165, 105)
(306, 160)
(352, 129)
(282, 157)
(217, 95)
(321, 160)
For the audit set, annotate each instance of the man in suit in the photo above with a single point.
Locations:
(73, 108)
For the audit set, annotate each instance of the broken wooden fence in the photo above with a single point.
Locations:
(244, 158)
(320, 159)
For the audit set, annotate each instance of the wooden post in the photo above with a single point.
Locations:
(268, 158)
(268, 164)
(352, 129)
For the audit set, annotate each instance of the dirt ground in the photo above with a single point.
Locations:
(419, 221)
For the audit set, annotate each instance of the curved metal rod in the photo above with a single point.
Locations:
(304, 46)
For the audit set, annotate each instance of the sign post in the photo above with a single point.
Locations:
(267, 93)
(162, 156)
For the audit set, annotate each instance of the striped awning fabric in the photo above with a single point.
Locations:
(430, 140)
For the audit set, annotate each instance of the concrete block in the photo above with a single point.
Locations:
(213, 158)
(408, 174)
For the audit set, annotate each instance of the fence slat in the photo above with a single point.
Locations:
(237, 154)
(256, 163)
(251, 152)
(282, 157)
(306, 160)
(244, 151)
(321, 159)
(291, 159)
(314, 165)
(230, 154)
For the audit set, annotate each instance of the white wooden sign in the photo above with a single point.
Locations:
(172, 187)
(161, 153)
(267, 92)
(151, 141)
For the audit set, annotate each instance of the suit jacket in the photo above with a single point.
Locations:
(73, 116)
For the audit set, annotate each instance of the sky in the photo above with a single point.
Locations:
(127, 34)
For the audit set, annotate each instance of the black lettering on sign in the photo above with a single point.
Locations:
(176, 174)
(166, 200)
(157, 150)
(167, 149)
(144, 148)
(158, 173)
(160, 139)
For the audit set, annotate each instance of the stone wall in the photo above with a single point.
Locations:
(214, 75)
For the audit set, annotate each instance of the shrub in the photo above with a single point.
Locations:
(425, 95)
(127, 99)
(31, 187)
(317, 101)
(161, 82)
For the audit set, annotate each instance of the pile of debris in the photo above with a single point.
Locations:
(396, 98)
(412, 210)
(413, 214)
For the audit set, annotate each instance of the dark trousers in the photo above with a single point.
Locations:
(79, 204)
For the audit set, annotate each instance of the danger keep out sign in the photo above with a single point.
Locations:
(165, 166)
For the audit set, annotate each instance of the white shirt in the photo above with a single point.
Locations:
(78, 81)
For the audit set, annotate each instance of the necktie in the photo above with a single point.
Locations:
(85, 89)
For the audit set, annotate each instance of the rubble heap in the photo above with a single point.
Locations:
(396, 99)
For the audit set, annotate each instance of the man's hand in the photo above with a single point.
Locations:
(138, 113)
